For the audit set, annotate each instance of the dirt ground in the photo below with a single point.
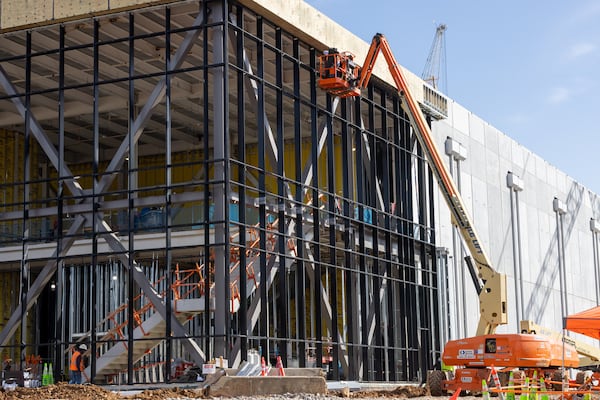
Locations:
(93, 392)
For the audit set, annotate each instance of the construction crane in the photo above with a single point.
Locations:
(434, 71)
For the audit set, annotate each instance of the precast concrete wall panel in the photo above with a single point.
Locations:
(25, 13)
(476, 129)
(490, 156)
(70, 8)
(491, 139)
(18, 12)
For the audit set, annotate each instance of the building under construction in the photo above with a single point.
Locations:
(177, 189)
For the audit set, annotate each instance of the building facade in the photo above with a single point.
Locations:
(176, 187)
(538, 225)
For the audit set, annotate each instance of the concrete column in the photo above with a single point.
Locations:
(515, 184)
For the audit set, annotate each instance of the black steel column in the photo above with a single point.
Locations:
(219, 188)
(315, 213)
(331, 217)
(168, 197)
(131, 194)
(405, 246)
(206, 331)
(362, 261)
(373, 201)
(241, 154)
(349, 271)
(387, 194)
(95, 201)
(260, 111)
(26, 199)
(299, 201)
(59, 329)
(282, 308)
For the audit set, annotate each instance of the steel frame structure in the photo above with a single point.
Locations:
(208, 107)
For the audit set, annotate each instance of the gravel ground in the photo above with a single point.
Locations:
(93, 392)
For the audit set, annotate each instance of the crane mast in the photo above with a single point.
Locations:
(340, 76)
(434, 71)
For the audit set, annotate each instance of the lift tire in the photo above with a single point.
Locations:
(580, 378)
(557, 377)
(503, 376)
(434, 383)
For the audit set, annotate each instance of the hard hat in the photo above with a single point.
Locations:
(83, 346)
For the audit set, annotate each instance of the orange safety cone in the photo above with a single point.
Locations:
(455, 395)
(279, 366)
(264, 371)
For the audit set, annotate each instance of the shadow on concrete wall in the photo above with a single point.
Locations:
(537, 304)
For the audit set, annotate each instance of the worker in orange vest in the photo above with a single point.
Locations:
(77, 365)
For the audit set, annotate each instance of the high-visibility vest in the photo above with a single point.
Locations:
(76, 364)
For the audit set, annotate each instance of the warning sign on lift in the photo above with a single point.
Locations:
(466, 354)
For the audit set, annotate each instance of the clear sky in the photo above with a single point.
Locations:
(530, 68)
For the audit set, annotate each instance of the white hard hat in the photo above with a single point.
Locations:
(83, 346)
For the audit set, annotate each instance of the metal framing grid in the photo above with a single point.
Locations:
(310, 218)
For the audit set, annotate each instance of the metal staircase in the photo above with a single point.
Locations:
(189, 299)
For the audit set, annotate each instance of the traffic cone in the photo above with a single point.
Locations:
(485, 395)
(525, 392)
(497, 384)
(279, 366)
(533, 390)
(45, 375)
(264, 371)
(587, 396)
(544, 395)
(50, 374)
(510, 395)
(455, 395)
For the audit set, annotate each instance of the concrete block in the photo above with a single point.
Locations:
(70, 8)
(233, 386)
(116, 4)
(24, 12)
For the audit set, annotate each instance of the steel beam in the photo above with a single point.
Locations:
(219, 196)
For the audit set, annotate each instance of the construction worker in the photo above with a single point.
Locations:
(7, 364)
(77, 365)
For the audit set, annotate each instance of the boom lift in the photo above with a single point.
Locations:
(341, 76)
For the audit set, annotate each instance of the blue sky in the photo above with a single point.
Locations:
(529, 68)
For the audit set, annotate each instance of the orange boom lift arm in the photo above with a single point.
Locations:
(340, 76)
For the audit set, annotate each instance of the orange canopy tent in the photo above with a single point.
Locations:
(585, 322)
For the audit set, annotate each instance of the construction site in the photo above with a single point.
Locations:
(244, 198)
